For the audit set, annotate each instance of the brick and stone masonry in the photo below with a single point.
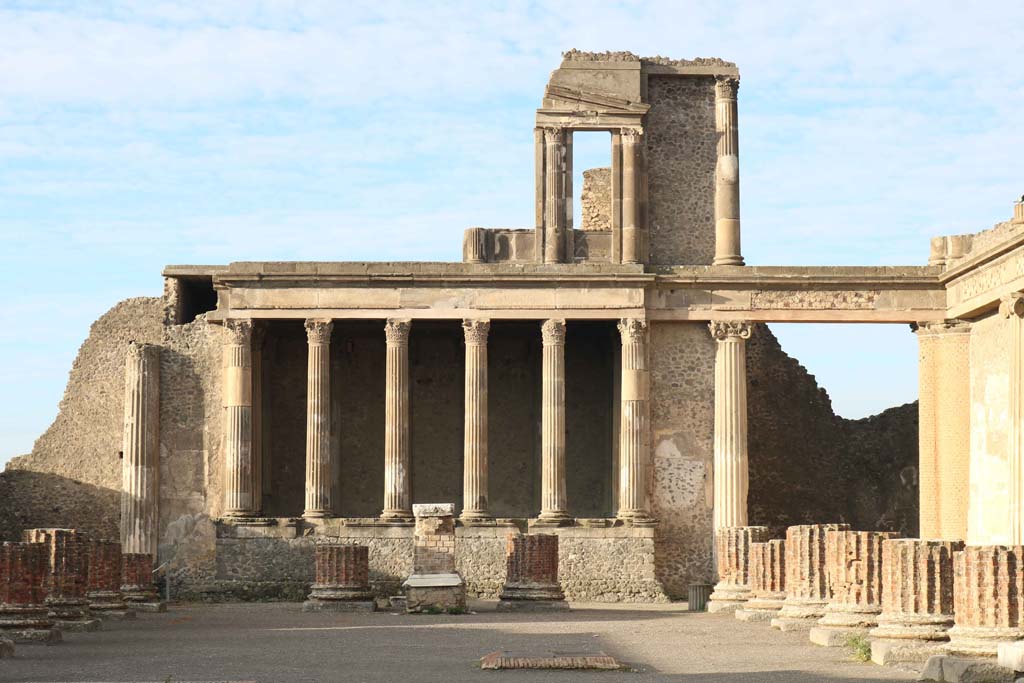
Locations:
(807, 591)
(917, 601)
(137, 583)
(434, 585)
(732, 545)
(6, 647)
(854, 566)
(104, 581)
(24, 616)
(988, 598)
(767, 581)
(65, 578)
(342, 580)
(531, 577)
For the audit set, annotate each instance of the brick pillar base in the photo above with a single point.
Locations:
(988, 588)
(531, 577)
(137, 583)
(24, 617)
(732, 546)
(807, 591)
(64, 582)
(6, 647)
(767, 581)
(342, 580)
(104, 581)
(435, 585)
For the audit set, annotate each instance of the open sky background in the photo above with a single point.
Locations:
(133, 135)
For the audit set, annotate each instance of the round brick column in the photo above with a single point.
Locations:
(767, 581)
(104, 580)
(531, 577)
(732, 546)
(807, 591)
(342, 579)
(137, 583)
(64, 581)
(988, 598)
(24, 616)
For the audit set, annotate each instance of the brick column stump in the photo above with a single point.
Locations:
(137, 583)
(24, 616)
(531, 578)
(6, 647)
(732, 546)
(807, 591)
(104, 581)
(767, 581)
(917, 602)
(854, 566)
(64, 581)
(435, 585)
(988, 599)
(342, 580)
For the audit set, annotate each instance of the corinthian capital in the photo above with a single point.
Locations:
(631, 136)
(397, 330)
(239, 331)
(319, 331)
(553, 332)
(726, 87)
(554, 135)
(722, 330)
(632, 330)
(1012, 305)
(476, 331)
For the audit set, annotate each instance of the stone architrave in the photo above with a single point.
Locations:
(435, 584)
(727, 174)
(917, 601)
(475, 506)
(342, 580)
(104, 581)
(634, 423)
(319, 470)
(731, 467)
(554, 508)
(531, 576)
(137, 583)
(65, 578)
(732, 545)
(140, 464)
(238, 494)
(24, 616)
(397, 466)
(767, 581)
(988, 599)
(854, 563)
(807, 591)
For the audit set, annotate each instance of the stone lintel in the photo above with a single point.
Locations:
(433, 510)
(433, 580)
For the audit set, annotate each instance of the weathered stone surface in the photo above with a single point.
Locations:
(733, 552)
(949, 669)
(1011, 656)
(434, 584)
(6, 647)
(596, 199)
(988, 596)
(807, 590)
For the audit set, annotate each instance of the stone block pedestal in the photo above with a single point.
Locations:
(434, 585)
(435, 592)
(531, 578)
(342, 580)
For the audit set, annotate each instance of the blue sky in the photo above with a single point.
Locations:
(133, 135)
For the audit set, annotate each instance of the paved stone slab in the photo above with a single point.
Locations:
(551, 660)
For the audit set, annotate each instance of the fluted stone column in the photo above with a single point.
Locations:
(767, 581)
(727, 174)
(553, 506)
(630, 140)
(807, 590)
(633, 444)
(554, 196)
(238, 495)
(140, 449)
(474, 482)
(732, 546)
(854, 564)
(988, 599)
(731, 477)
(917, 601)
(259, 337)
(319, 471)
(397, 489)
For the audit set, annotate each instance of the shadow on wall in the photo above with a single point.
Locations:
(37, 499)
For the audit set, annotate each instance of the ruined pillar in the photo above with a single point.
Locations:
(917, 601)
(434, 585)
(6, 647)
(1011, 307)
(631, 141)
(24, 616)
(553, 507)
(474, 483)
(531, 574)
(137, 583)
(319, 473)
(944, 427)
(988, 599)
(807, 590)
(238, 494)
(554, 197)
(732, 553)
(634, 412)
(140, 449)
(64, 581)
(104, 581)
(767, 581)
(397, 467)
(854, 566)
(731, 477)
(727, 174)
(342, 580)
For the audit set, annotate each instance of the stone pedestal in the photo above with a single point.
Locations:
(732, 546)
(104, 583)
(807, 591)
(767, 581)
(987, 596)
(24, 616)
(64, 582)
(854, 564)
(342, 580)
(137, 583)
(917, 601)
(434, 585)
(531, 578)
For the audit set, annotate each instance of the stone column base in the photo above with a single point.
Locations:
(728, 597)
(761, 608)
(913, 628)
(965, 670)
(842, 622)
(6, 647)
(109, 605)
(339, 599)
(28, 624)
(908, 655)
(70, 614)
(534, 598)
(435, 592)
(799, 614)
(976, 641)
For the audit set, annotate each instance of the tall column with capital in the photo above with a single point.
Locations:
(1011, 308)
(397, 489)
(731, 479)
(553, 508)
(140, 464)
(259, 335)
(474, 482)
(727, 174)
(238, 498)
(634, 417)
(319, 474)
(554, 196)
(630, 140)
